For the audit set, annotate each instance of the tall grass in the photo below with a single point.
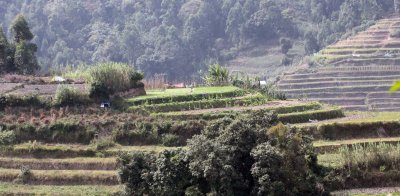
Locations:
(116, 76)
(157, 82)
(371, 156)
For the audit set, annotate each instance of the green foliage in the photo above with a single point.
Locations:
(7, 137)
(19, 101)
(187, 98)
(25, 176)
(230, 157)
(217, 75)
(371, 157)
(102, 143)
(24, 58)
(171, 140)
(68, 96)
(345, 130)
(161, 132)
(63, 132)
(163, 174)
(271, 91)
(395, 87)
(202, 104)
(21, 29)
(286, 45)
(286, 61)
(303, 117)
(109, 78)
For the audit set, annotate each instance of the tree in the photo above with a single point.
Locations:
(286, 45)
(21, 29)
(311, 43)
(217, 75)
(4, 47)
(25, 61)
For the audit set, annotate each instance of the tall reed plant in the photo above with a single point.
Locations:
(371, 156)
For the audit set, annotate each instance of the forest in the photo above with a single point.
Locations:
(181, 37)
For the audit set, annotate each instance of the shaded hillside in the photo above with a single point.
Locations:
(181, 37)
(357, 72)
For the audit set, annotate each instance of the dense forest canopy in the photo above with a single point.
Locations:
(180, 37)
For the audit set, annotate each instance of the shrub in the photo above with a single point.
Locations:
(186, 98)
(7, 137)
(217, 75)
(232, 157)
(271, 91)
(117, 77)
(102, 143)
(99, 91)
(22, 101)
(25, 176)
(68, 96)
(302, 117)
(286, 61)
(171, 140)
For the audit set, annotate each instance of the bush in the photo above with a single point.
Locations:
(62, 132)
(7, 137)
(67, 96)
(302, 117)
(352, 130)
(171, 140)
(99, 91)
(22, 101)
(186, 98)
(203, 104)
(102, 143)
(25, 176)
(231, 157)
(286, 61)
(271, 91)
(117, 77)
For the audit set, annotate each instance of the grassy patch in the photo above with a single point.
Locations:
(257, 99)
(306, 116)
(16, 189)
(60, 164)
(185, 91)
(64, 177)
(65, 150)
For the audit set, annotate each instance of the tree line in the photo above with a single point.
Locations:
(181, 37)
(18, 56)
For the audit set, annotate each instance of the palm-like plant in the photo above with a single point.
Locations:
(217, 75)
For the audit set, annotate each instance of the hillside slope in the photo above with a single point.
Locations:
(357, 72)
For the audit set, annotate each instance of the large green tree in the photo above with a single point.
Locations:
(25, 61)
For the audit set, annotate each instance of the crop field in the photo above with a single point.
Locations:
(372, 53)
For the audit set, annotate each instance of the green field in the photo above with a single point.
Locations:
(185, 91)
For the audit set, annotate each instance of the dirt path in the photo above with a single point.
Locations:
(382, 190)
(271, 104)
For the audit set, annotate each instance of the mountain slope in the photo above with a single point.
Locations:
(357, 71)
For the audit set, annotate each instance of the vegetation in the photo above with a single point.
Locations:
(18, 56)
(180, 37)
(217, 75)
(68, 96)
(229, 157)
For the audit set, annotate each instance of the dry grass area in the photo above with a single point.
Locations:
(17, 189)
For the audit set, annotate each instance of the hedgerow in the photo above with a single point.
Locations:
(307, 116)
(186, 98)
(204, 104)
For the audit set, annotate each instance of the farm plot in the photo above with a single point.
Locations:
(47, 89)
(8, 87)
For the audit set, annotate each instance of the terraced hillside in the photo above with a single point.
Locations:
(357, 72)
